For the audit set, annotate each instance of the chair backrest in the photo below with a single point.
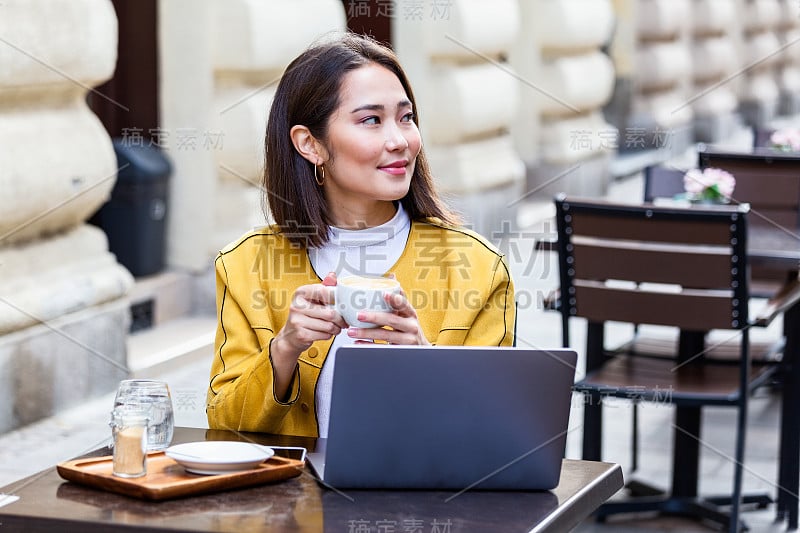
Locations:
(761, 137)
(769, 181)
(662, 182)
(672, 266)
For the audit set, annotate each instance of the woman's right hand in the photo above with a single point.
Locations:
(311, 318)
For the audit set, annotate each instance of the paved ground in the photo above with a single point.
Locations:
(74, 432)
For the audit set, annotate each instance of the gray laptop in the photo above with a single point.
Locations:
(449, 418)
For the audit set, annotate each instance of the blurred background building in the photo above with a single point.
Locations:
(519, 99)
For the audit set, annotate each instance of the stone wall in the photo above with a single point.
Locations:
(788, 69)
(566, 80)
(220, 64)
(467, 97)
(702, 68)
(651, 49)
(63, 312)
(759, 50)
(714, 61)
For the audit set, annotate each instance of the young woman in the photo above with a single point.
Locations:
(349, 188)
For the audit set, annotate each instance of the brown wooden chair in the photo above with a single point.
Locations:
(770, 182)
(662, 182)
(680, 267)
(761, 137)
(767, 180)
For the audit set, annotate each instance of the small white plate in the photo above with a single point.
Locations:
(219, 457)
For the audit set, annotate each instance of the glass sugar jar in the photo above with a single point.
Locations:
(129, 429)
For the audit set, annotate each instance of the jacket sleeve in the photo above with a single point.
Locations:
(241, 393)
(495, 323)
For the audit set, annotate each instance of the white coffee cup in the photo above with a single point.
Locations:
(362, 293)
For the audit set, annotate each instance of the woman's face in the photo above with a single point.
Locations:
(372, 147)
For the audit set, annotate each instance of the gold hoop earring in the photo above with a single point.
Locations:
(319, 180)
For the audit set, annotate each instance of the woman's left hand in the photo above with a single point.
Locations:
(404, 324)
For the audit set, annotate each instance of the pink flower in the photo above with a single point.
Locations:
(693, 181)
(709, 184)
(724, 181)
(787, 139)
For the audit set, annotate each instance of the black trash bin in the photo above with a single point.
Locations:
(134, 218)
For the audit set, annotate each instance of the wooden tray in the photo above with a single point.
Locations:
(167, 479)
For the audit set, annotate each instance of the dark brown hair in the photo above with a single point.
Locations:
(308, 94)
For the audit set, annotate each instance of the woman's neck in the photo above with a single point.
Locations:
(352, 219)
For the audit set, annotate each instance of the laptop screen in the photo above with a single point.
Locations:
(448, 417)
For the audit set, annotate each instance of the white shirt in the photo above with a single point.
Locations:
(367, 252)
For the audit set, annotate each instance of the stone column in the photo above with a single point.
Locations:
(467, 94)
(63, 315)
(789, 63)
(565, 80)
(759, 49)
(651, 105)
(253, 42)
(714, 64)
(186, 85)
(220, 63)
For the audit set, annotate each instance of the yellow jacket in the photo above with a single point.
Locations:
(458, 283)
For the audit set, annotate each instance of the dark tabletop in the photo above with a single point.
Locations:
(48, 503)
